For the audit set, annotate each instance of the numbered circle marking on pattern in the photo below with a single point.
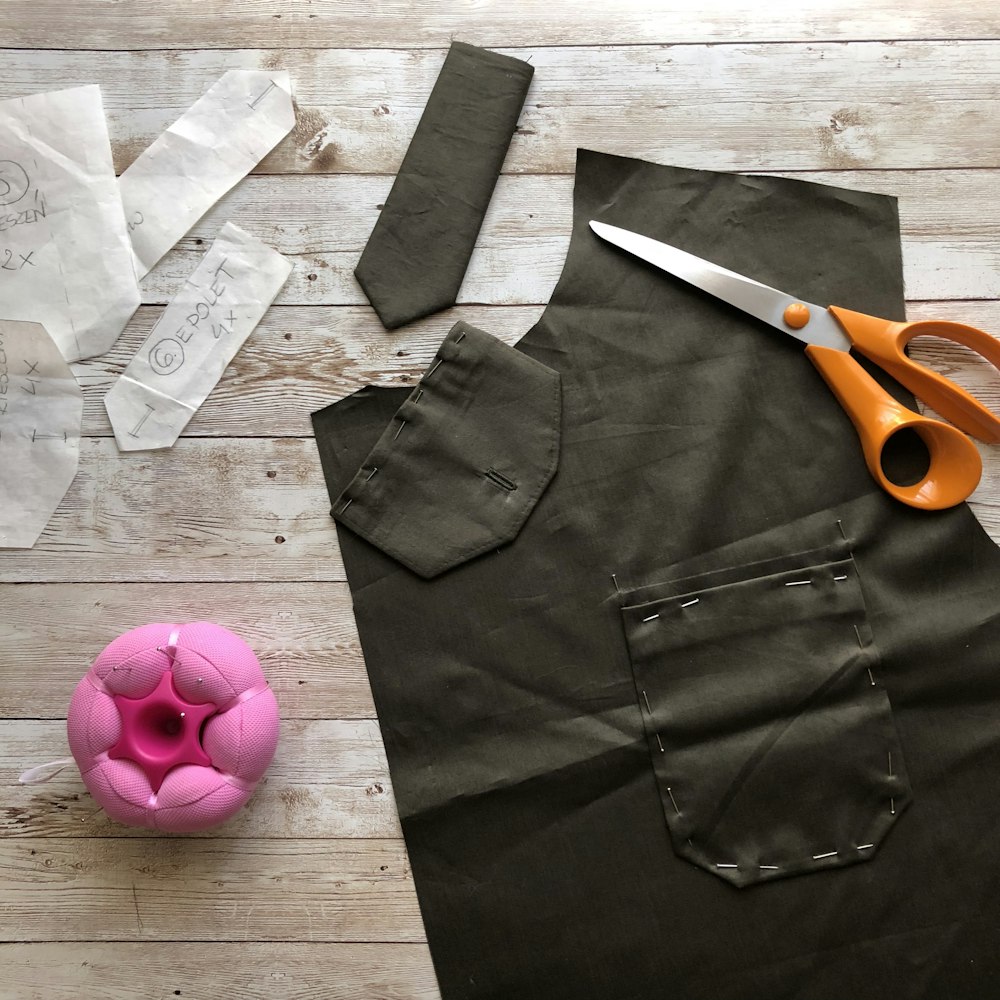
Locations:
(166, 356)
(13, 182)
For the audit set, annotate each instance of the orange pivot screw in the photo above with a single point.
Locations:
(796, 315)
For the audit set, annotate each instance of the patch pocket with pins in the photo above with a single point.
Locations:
(771, 735)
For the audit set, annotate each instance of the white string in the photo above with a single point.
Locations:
(44, 772)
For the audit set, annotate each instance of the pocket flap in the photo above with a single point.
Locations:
(463, 461)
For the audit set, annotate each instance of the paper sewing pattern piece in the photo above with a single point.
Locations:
(65, 256)
(41, 409)
(214, 144)
(194, 340)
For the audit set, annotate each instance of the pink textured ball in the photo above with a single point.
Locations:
(173, 726)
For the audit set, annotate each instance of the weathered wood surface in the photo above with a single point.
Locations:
(329, 779)
(301, 358)
(205, 889)
(264, 970)
(141, 24)
(206, 509)
(950, 232)
(303, 634)
(233, 523)
(734, 106)
(207, 971)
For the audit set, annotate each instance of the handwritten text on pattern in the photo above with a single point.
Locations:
(167, 355)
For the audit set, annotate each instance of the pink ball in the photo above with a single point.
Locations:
(176, 753)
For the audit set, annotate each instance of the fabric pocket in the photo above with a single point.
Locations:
(465, 459)
(771, 736)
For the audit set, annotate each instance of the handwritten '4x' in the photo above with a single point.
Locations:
(218, 331)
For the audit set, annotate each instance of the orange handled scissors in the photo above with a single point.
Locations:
(955, 466)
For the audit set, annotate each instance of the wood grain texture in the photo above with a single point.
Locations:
(950, 233)
(141, 24)
(303, 634)
(205, 509)
(267, 970)
(739, 106)
(289, 898)
(198, 889)
(301, 358)
(133, 517)
(328, 779)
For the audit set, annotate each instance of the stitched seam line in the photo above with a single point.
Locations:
(514, 523)
(385, 445)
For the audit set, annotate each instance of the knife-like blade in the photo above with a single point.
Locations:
(762, 301)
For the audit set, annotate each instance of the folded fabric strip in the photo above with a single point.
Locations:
(446, 441)
(415, 259)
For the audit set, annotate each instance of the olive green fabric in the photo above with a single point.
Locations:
(416, 256)
(701, 457)
(772, 741)
(464, 460)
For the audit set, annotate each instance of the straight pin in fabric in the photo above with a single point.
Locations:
(614, 579)
(417, 395)
(858, 634)
(435, 368)
(460, 337)
(769, 868)
(798, 583)
(829, 854)
(864, 847)
(659, 743)
(892, 806)
(372, 473)
(646, 700)
(672, 801)
(346, 505)
(399, 429)
(890, 763)
(727, 866)
(688, 604)
(650, 618)
(841, 526)
(837, 579)
(870, 677)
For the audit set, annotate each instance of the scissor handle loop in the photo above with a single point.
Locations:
(884, 342)
(955, 466)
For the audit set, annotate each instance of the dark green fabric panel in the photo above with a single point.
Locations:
(693, 441)
(415, 259)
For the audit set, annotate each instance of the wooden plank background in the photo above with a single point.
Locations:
(307, 893)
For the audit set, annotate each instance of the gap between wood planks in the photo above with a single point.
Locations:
(734, 106)
(526, 47)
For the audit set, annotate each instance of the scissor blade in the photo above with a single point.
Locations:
(753, 297)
